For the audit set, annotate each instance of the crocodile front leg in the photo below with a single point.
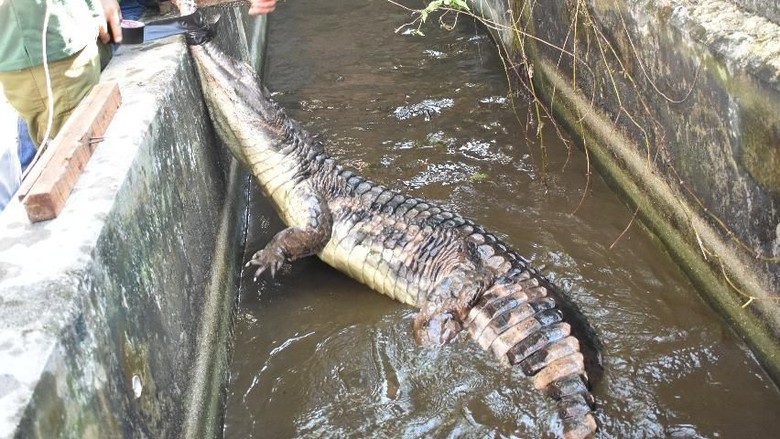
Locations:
(314, 222)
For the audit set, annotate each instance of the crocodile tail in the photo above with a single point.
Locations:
(523, 326)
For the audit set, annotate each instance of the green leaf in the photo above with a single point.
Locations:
(432, 6)
(478, 176)
(435, 5)
(457, 4)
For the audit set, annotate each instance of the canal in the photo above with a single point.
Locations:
(319, 355)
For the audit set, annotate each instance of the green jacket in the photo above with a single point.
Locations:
(72, 25)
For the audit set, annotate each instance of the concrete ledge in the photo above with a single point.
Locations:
(766, 8)
(104, 310)
(744, 42)
(678, 104)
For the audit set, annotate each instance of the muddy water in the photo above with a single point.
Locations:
(318, 355)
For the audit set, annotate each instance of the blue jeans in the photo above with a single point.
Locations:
(131, 9)
(10, 174)
(25, 146)
(14, 159)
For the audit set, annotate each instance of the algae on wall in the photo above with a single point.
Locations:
(681, 113)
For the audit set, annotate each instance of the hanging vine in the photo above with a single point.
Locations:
(584, 30)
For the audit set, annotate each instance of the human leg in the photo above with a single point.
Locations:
(26, 146)
(10, 173)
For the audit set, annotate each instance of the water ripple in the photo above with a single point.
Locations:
(425, 109)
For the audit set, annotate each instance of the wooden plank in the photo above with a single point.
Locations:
(47, 187)
(43, 160)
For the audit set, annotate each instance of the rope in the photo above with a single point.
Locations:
(49, 92)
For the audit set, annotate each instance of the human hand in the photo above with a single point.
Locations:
(112, 25)
(259, 7)
(256, 7)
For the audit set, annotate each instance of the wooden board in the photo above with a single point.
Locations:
(48, 185)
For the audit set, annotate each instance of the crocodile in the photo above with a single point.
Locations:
(462, 278)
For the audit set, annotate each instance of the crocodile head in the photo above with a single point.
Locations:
(249, 124)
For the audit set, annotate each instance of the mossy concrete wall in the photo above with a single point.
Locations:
(678, 105)
(765, 8)
(114, 317)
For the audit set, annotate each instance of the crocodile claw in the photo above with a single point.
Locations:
(267, 259)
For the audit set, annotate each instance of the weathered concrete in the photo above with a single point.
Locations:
(678, 104)
(114, 316)
(765, 8)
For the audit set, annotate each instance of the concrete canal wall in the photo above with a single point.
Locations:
(678, 106)
(114, 316)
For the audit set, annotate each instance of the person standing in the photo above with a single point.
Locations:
(72, 56)
(72, 31)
